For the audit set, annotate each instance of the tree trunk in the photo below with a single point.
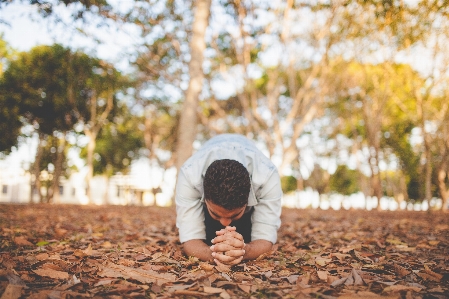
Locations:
(90, 162)
(188, 118)
(442, 174)
(106, 193)
(60, 154)
(36, 183)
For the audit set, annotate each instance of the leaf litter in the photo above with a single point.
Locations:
(65, 251)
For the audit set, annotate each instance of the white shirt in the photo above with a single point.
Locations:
(265, 192)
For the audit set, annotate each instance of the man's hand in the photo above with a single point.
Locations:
(228, 247)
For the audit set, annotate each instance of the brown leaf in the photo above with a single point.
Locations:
(206, 266)
(22, 241)
(225, 295)
(55, 274)
(292, 278)
(401, 271)
(426, 276)
(12, 291)
(357, 279)
(398, 288)
(211, 290)
(244, 287)
(322, 275)
(144, 276)
(434, 274)
(339, 282)
(41, 256)
(223, 268)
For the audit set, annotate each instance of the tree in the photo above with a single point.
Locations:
(345, 180)
(51, 89)
(108, 157)
(34, 93)
(188, 118)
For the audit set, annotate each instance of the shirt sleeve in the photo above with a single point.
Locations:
(189, 211)
(266, 218)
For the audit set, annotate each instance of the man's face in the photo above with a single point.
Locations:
(224, 216)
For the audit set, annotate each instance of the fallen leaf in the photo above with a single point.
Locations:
(322, 275)
(144, 276)
(244, 287)
(206, 266)
(22, 241)
(434, 274)
(292, 278)
(401, 271)
(12, 291)
(322, 261)
(223, 268)
(106, 244)
(427, 276)
(211, 290)
(398, 288)
(52, 273)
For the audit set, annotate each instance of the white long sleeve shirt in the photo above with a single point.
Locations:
(264, 197)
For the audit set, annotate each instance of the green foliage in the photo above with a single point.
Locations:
(345, 181)
(318, 180)
(51, 88)
(288, 184)
(117, 144)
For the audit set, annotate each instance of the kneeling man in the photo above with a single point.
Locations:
(228, 201)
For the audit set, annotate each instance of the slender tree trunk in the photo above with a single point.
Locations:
(106, 193)
(36, 183)
(188, 119)
(60, 154)
(444, 192)
(90, 163)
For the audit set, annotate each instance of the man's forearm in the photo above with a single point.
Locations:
(256, 248)
(198, 249)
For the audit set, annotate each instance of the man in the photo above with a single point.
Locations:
(228, 195)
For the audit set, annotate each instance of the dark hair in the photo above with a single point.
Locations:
(227, 184)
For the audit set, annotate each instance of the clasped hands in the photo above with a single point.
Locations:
(228, 246)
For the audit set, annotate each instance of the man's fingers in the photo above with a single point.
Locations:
(225, 230)
(235, 239)
(227, 259)
(234, 243)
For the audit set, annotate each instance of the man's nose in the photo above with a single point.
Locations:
(225, 221)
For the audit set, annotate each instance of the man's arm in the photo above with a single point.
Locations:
(198, 249)
(256, 248)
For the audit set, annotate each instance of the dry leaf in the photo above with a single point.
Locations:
(206, 266)
(322, 275)
(398, 288)
(401, 271)
(144, 276)
(244, 287)
(52, 273)
(211, 290)
(322, 261)
(106, 244)
(22, 241)
(223, 268)
(426, 276)
(12, 291)
(434, 274)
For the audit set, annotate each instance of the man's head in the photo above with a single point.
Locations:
(226, 189)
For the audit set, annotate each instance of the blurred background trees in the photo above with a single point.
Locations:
(344, 96)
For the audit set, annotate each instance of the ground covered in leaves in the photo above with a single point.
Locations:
(64, 251)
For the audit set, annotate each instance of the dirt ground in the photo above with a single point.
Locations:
(70, 251)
